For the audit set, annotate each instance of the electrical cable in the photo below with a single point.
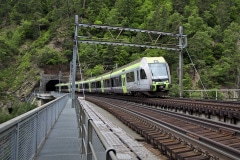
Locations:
(197, 73)
(80, 71)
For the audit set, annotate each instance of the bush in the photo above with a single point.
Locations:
(48, 56)
(16, 111)
(5, 117)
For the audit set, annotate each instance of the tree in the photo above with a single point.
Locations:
(223, 14)
(222, 72)
(200, 44)
(231, 37)
(102, 16)
(179, 5)
(96, 71)
(48, 56)
(174, 21)
(127, 10)
(113, 17)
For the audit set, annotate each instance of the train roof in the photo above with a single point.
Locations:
(62, 84)
(154, 59)
(136, 63)
(80, 82)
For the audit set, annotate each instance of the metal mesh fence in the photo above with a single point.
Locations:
(27, 138)
(49, 118)
(7, 144)
(21, 137)
(41, 129)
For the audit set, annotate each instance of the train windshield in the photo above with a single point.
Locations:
(158, 70)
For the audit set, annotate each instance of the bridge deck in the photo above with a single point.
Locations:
(63, 142)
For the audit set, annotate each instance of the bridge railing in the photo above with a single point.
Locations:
(93, 144)
(22, 137)
(217, 94)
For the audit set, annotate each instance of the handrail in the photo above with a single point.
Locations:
(87, 130)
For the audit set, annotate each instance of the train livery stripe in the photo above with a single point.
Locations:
(124, 87)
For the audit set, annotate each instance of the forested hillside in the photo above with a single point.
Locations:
(35, 33)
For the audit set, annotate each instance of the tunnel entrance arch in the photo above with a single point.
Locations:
(48, 81)
(50, 86)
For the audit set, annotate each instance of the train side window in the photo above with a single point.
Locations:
(86, 86)
(116, 81)
(112, 82)
(119, 81)
(98, 84)
(93, 84)
(130, 77)
(143, 74)
(107, 83)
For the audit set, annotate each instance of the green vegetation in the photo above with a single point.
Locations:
(15, 111)
(36, 33)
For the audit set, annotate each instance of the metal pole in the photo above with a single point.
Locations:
(180, 62)
(89, 140)
(40, 83)
(180, 74)
(73, 76)
(59, 88)
(75, 48)
(16, 142)
(70, 79)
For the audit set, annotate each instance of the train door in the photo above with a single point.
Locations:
(138, 79)
(143, 82)
(124, 87)
(111, 84)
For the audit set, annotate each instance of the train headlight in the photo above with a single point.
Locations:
(153, 82)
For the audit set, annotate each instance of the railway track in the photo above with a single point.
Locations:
(175, 135)
(227, 111)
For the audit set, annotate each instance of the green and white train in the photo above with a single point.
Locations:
(146, 76)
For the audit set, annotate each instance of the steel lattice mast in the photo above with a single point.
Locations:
(115, 41)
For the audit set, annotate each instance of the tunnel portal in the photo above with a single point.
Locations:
(48, 82)
(50, 86)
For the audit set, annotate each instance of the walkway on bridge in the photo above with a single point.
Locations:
(63, 142)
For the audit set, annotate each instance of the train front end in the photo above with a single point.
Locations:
(160, 76)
